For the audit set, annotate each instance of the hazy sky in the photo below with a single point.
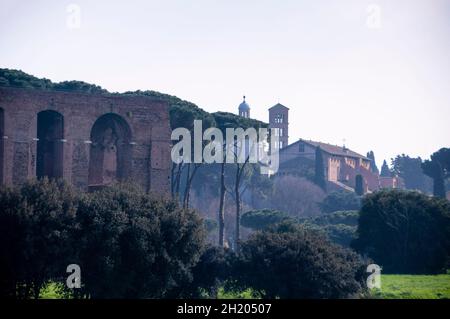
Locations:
(375, 73)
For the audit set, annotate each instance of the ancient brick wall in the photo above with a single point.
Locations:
(146, 119)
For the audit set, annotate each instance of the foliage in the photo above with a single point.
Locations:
(438, 168)
(340, 227)
(16, 78)
(212, 270)
(343, 200)
(262, 219)
(35, 231)
(359, 185)
(410, 170)
(134, 246)
(293, 262)
(319, 177)
(373, 163)
(210, 224)
(127, 243)
(405, 232)
(385, 170)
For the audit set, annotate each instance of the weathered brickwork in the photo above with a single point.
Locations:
(131, 139)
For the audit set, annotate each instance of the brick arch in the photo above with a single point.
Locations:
(49, 153)
(110, 157)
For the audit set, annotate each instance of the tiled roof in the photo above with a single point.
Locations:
(331, 149)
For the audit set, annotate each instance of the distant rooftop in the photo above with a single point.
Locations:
(330, 149)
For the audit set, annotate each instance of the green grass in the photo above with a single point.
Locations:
(246, 294)
(413, 287)
(392, 287)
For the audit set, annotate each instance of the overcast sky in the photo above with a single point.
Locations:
(375, 73)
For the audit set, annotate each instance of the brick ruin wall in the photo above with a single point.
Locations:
(145, 119)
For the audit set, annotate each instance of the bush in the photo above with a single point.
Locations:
(134, 246)
(337, 201)
(293, 262)
(405, 232)
(35, 234)
(127, 244)
(213, 270)
(261, 219)
(340, 227)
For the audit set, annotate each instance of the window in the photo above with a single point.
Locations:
(301, 148)
(281, 132)
(278, 118)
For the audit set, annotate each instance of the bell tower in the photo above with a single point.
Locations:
(279, 120)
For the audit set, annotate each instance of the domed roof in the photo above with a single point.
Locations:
(244, 106)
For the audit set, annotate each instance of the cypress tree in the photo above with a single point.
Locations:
(359, 185)
(319, 178)
(373, 164)
(385, 171)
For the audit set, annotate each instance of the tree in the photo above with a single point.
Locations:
(134, 246)
(213, 270)
(373, 163)
(340, 226)
(385, 170)
(410, 170)
(36, 220)
(296, 196)
(262, 219)
(293, 262)
(438, 168)
(337, 201)
(242, 171)
(319, 177)
(359, 185)
(405, 231)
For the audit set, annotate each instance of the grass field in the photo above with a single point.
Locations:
(392, 287)
(414, 287)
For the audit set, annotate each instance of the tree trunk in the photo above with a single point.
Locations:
(189, 179)
(222, 206)
(238, 209)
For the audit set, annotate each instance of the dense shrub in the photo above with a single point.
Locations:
(35, 230)
(133, 246)
(405, 232)
(127, 243)
(212, 271)
(340, 227)
(293, 262)
(337, 201)
(261, 219)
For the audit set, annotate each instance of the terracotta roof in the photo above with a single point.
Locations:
(330, 149)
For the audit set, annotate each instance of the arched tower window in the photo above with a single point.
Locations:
(50, 134)
(110, 153)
